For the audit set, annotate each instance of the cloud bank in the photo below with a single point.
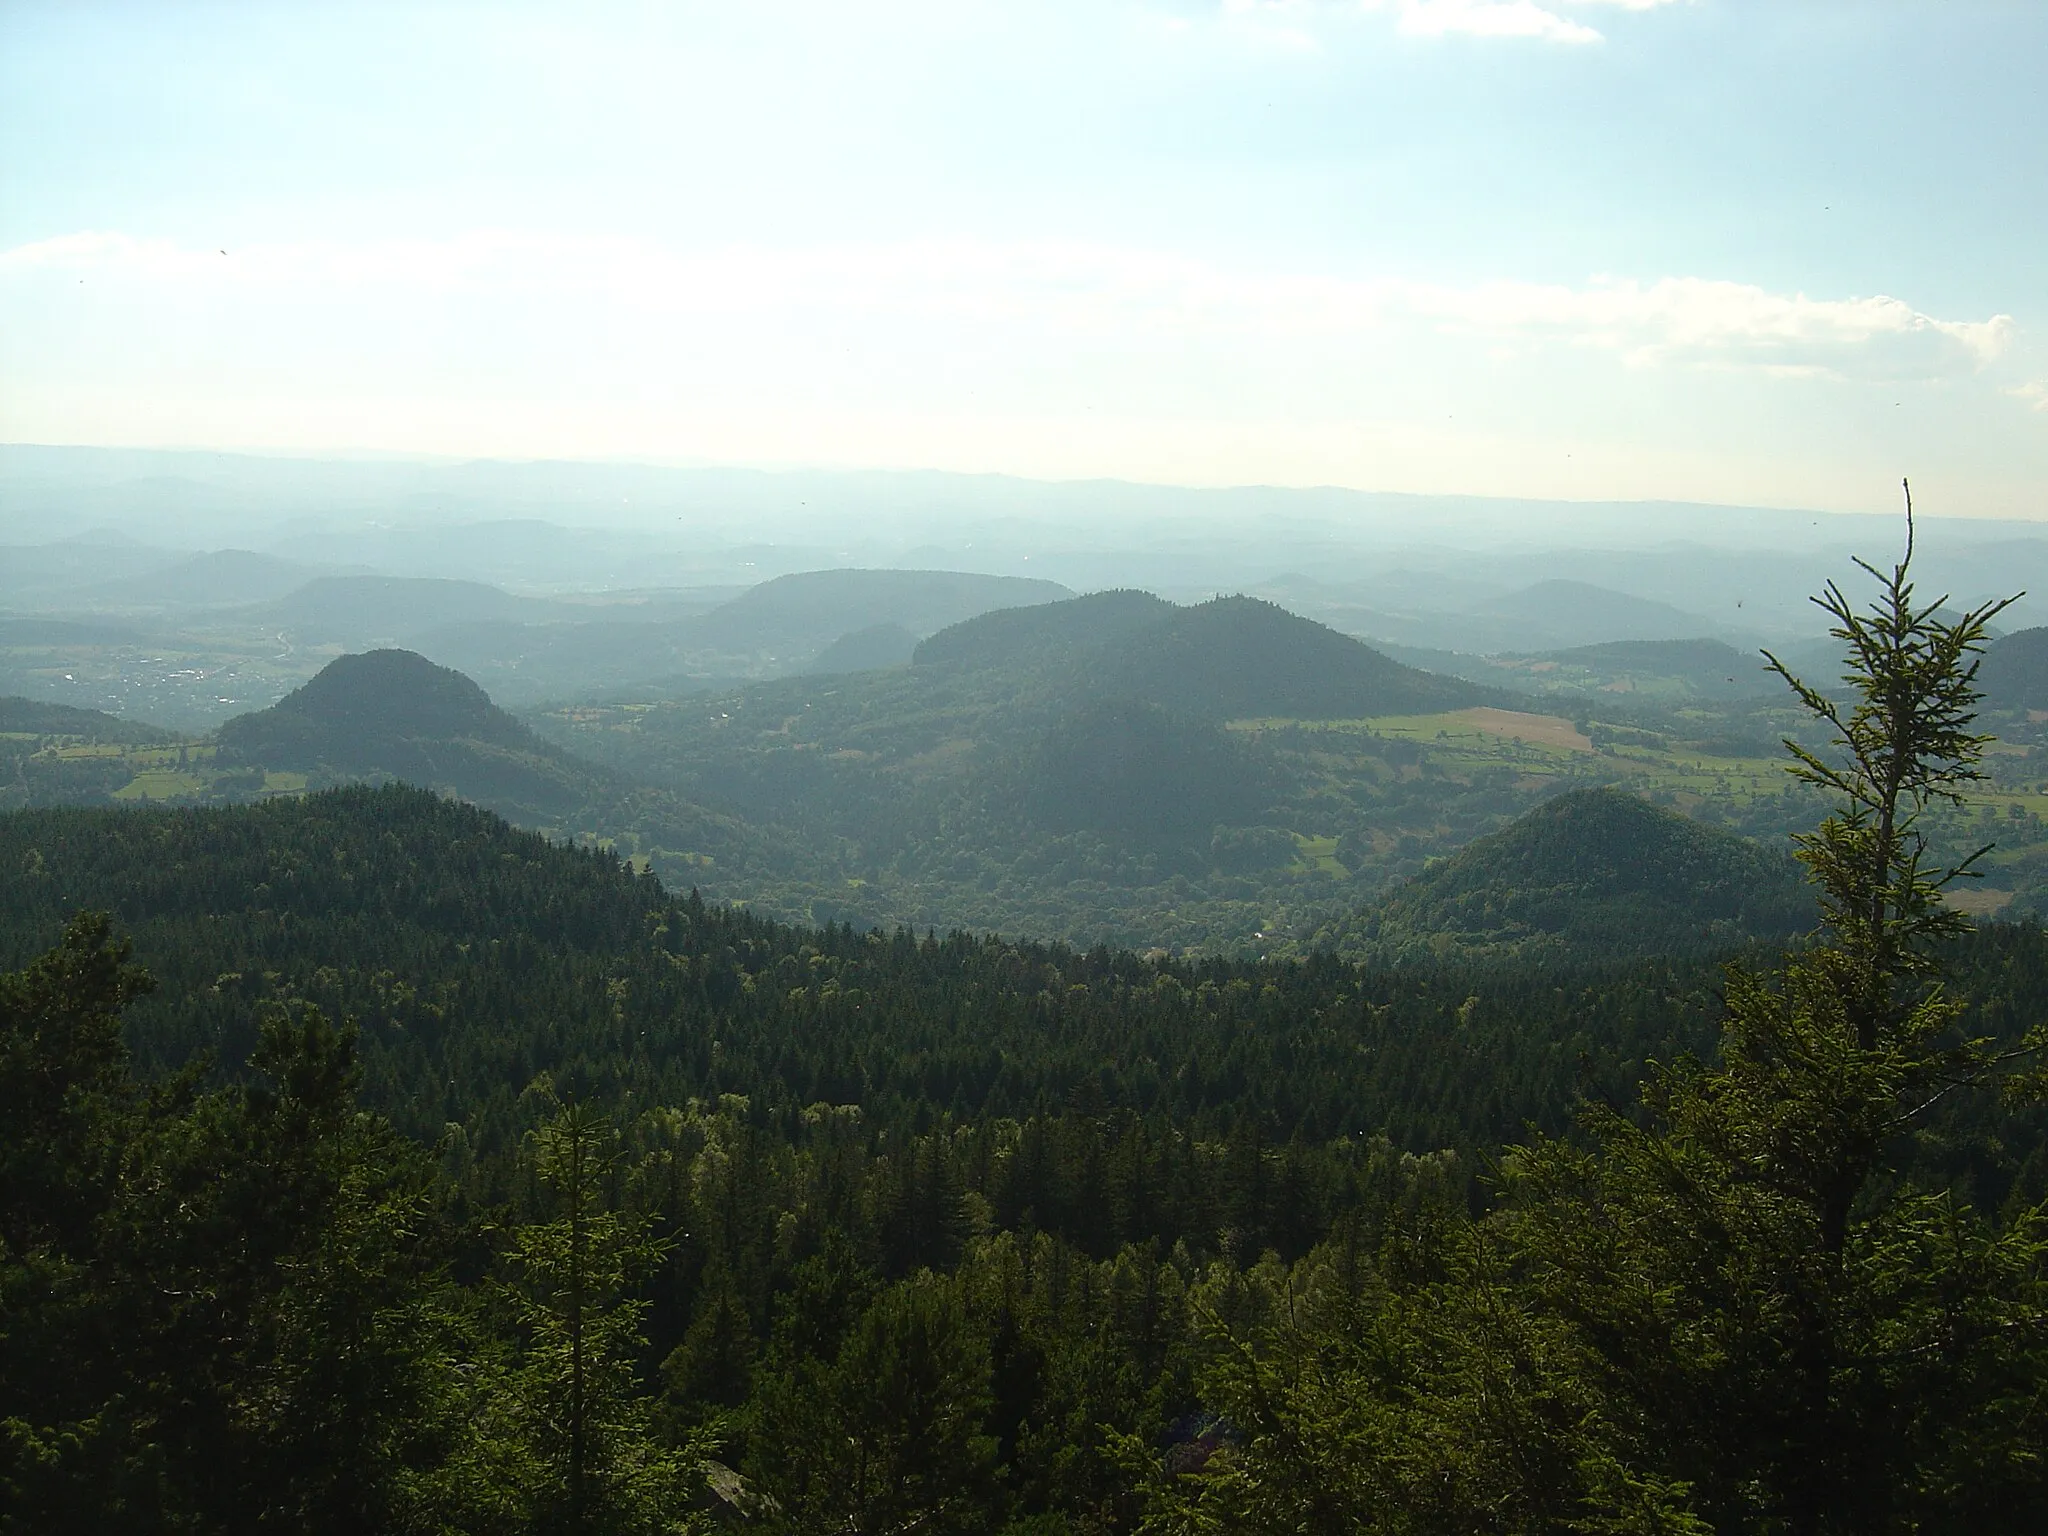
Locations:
(1098, 295)
(1445, 18)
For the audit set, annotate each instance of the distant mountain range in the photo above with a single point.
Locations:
(1114, 767)
(530, 648)
(217, 579)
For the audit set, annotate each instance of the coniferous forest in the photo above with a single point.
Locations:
(369, 1165)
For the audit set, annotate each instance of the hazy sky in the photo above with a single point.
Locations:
(1777, 253)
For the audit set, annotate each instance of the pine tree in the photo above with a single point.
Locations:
(580, 1445)
(1729, 1311)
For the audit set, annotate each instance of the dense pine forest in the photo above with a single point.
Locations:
(367, 1164)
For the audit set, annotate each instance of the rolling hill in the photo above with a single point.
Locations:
(1232, 658)
(393, 715)
(1086, 769)
(1238, 658)
(34, 717)
(2014, 672)
(866, 650)
(1575, 613)
(1591, 872)
(1012, 638)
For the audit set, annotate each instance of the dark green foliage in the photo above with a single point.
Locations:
(887, 1433)
(1739, 1310)
(1135, 772)
(219, 1307)
(572, 1449)
(474, 957)
(392, 714)
(377, 710)
(1595, 872)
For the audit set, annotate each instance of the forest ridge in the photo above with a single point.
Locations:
(427, 1174)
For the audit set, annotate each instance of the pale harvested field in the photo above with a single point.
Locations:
(1978, 900)
(1538, 730)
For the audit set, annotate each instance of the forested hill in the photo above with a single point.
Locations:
(2014, 672)
(1594, 872)
(1104, 769)
(809, 1229)
(1232, 658)
(477, 958)
(1012, 638)
(35, 717)
(1238, 658)
(377, 710)
(394, 715)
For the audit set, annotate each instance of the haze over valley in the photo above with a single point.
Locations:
(1089, 768)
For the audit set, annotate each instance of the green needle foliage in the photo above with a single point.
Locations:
(1725, 1311)
(581, 1450)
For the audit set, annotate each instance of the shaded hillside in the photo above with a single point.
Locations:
(1237, 658)
(1035, 636)
(395, 715)
(2014, 672)
(1132, 771)
(1596, 872)
(1081, 770)
(474, 956)
(33, 717)
(866, 650)
(375, 710)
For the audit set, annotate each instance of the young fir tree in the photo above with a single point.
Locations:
(889, 1435)
(219, 1310)
(1731, 1312)
(571, 1446)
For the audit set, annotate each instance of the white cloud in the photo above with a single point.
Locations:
(1491, 18)
(1291, 20)
(1703, 322)
(1091, 294)
(2035, 394)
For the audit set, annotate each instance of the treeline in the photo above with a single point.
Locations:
(255, 1306)
(462, 1181)
(475, 958)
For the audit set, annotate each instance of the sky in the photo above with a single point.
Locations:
(1774, 254)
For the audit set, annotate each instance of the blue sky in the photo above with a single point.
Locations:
(1766, 253)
